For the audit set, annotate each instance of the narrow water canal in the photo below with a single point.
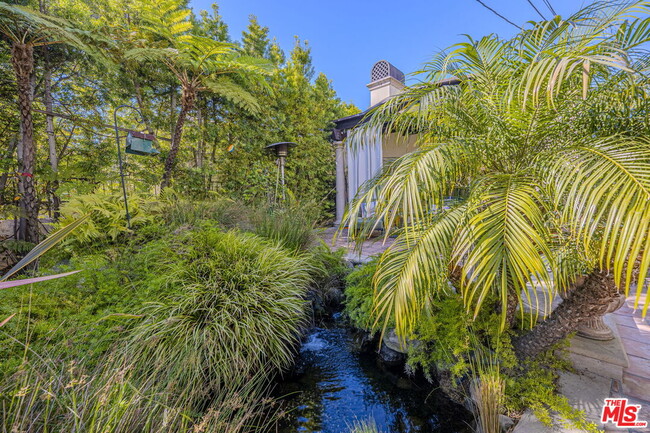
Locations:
(332, 385)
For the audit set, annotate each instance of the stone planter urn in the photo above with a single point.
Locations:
(596, 329)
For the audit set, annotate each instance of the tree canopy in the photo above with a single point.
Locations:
(214, 103)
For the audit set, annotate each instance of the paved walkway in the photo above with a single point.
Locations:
(369, 248)
(635, 336)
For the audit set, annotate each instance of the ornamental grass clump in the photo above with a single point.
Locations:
(237, 310)
(291, 227)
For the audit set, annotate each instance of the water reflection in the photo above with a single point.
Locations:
(331, 386)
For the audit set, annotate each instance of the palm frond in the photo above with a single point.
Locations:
(505, 246)
(603, 189)
(414, 268)
(224, 86)
(410, 188)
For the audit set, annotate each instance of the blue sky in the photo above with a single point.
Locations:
(348, 36)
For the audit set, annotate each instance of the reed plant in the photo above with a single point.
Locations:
(368, 426)
(486, 388)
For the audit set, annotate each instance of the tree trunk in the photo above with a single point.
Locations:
(13, 143)
(198, 154)
(51, 138)
(590, 297)
(22, 60)
(170, 162)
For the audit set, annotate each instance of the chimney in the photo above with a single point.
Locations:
(385, 81)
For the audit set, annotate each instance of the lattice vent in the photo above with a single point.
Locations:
(380, 70)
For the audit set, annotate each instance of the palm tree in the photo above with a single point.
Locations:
(543, 144)
(199, 64)
(26, 29)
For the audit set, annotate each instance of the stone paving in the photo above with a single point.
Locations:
(370, 248)
(635, 336)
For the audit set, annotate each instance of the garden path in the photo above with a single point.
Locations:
(635, 336)
(369, 248)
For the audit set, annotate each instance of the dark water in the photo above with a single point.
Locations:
(332, 386)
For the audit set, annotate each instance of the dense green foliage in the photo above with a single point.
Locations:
(185, 320)
(227, 125)
(359, 296)
(447, 340)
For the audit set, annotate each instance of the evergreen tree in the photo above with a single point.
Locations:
(212, 25)
(276, 55)
(255, 39)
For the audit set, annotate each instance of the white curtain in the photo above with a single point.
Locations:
(364, 160)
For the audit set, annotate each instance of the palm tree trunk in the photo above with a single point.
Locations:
(170, 162)
(511, 307)
(22, 60)
(590, 297)
(51, 138)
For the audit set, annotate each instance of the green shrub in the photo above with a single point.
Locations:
(224, 313)
(237, 309)
(359, 296)
(80, 316)
(534, 385)
(451, 340)
(107, 220)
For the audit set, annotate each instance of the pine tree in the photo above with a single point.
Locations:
(276, 54)
(300, 62)
(255, 39)
(212, 25)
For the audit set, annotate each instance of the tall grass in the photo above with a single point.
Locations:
(291, 227)
(179, 211)
(368, 426)
(486, 388)
(487, 391)
(47, 397)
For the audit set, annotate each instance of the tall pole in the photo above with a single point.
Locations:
(340, 181)
(282, 178)
(119, 158)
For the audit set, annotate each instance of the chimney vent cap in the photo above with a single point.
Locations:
(383, 69)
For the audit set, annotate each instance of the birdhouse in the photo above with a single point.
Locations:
(139, 143)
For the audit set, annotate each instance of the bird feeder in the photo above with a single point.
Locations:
(282, 151)
(139, 143)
